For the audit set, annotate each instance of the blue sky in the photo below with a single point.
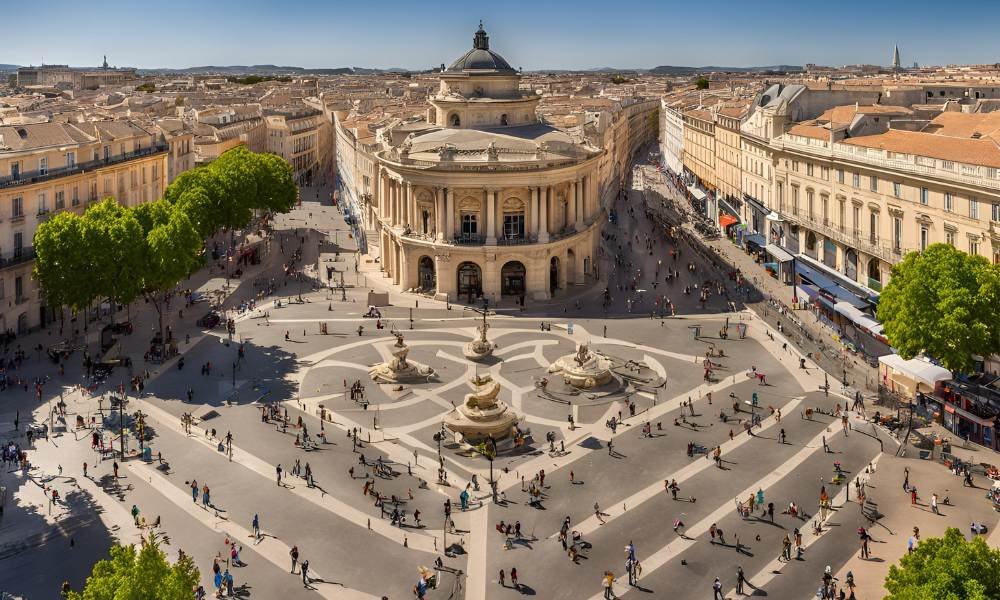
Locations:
(531, 34)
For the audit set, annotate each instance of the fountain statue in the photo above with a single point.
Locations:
(481, 415)
(479, 348)
(583, 369)
(398, 369)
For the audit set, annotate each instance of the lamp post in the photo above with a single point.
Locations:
(491, 452)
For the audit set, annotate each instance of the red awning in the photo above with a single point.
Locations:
(726, 220)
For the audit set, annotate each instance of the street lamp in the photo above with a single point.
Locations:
(491, 453)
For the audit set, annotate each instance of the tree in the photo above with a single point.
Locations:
(63, 262)
(136, 575)
(701, 83)
(943, 302)
(169, 249)
(146, 87)
(110, 232)
(946, 568)
(276, 189)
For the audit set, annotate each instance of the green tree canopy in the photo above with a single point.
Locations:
(947, 568)
(141, 574)
(943, 302)
(701, 83)
(63, 261)
(111, 231)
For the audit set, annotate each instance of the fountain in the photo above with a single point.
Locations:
(481, 415)
(399, 370)
(479, 348)
(583, 369)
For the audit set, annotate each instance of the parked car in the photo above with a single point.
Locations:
(210, 320)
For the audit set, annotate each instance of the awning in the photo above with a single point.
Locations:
(773, 216)
(808, 291)
(970, 416)
(857, 317)
(726, 220)
(724, 205)
(778, 253)
(756, 239)
(826, 303)
(820, 280)
(755, 203)
(698, 194)
(844, 281)
(916, 369)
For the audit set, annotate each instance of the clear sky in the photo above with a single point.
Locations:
(535, 34)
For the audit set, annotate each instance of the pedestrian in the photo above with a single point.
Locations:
(114, 466)
(503, 579)
(305, 573)
(135, 514)
(906, 479)
(85, 470)
(740, 580)
(278, 471)
(255, 524)
(194, 491)
(934, 504)
(513, 578)
(717, 590)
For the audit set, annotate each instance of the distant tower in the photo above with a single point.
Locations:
(895, 57)
(105, 64)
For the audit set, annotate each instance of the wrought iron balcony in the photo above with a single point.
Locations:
(30, 177)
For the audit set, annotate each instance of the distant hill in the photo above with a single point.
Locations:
(243, 70)
(4, 67)
(672, 70)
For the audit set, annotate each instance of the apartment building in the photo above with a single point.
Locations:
(49, 167)
(304, 138)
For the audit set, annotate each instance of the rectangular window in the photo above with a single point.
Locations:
(469, 224)
(43, 165)
(923, 239)
(76, 197)
(995, 213)
(924, 196)
(949, 202)
(973, 247)
(42, 203)
(795, 166)
(856, 223)
(107, 186)
(973, 208)
(16, 207)
(840, 176)
(897, 190)
(856, 180)
(949, 238)
(60, 200)
(809, 169)
(873, 183)
(826, 173)
(18, 288)
(513, 227)
(18, 243)
(897, 233)
(873, 224)
(70, 160)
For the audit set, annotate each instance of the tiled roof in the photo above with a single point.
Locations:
(969, 151)
(40, 135)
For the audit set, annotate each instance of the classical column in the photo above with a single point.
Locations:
(491, 217)
(580, 210)
(439, 213)
(533, 232)
(449, 214)
(408, 204)
(571, 205)
(381, 194)
(543, 215)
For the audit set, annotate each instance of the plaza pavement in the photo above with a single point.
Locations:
(356, 552)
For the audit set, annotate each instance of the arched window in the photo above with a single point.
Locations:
(455, 121)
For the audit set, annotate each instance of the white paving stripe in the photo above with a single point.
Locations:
(271, 548)
(774, 567)
(417, 539)
(663, 555)
(615, 510)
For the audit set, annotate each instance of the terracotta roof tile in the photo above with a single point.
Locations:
(985, 152)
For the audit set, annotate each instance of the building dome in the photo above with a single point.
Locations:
(481, 58)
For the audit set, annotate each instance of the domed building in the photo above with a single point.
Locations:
(482, 198)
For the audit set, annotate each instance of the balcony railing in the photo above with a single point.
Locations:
(516, 241)
(17, 256)
(854, 238)
(469, 239)
(30, 177)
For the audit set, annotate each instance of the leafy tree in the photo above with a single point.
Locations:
(169, 250)
(943, 302)
(947, 568)
(701, 83)
(276, 189)
(146, 87)
(110, 233)
(132, 574)
(64, 260)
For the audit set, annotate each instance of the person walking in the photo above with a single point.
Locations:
(255, 524)
(305, 573)
(934, 504)
(607, 582)
(135, 514)
(278, 471)
(740, 580)
(503, 579)
(906, 479)
(294, 553)
(717, 590)
(513, 578)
